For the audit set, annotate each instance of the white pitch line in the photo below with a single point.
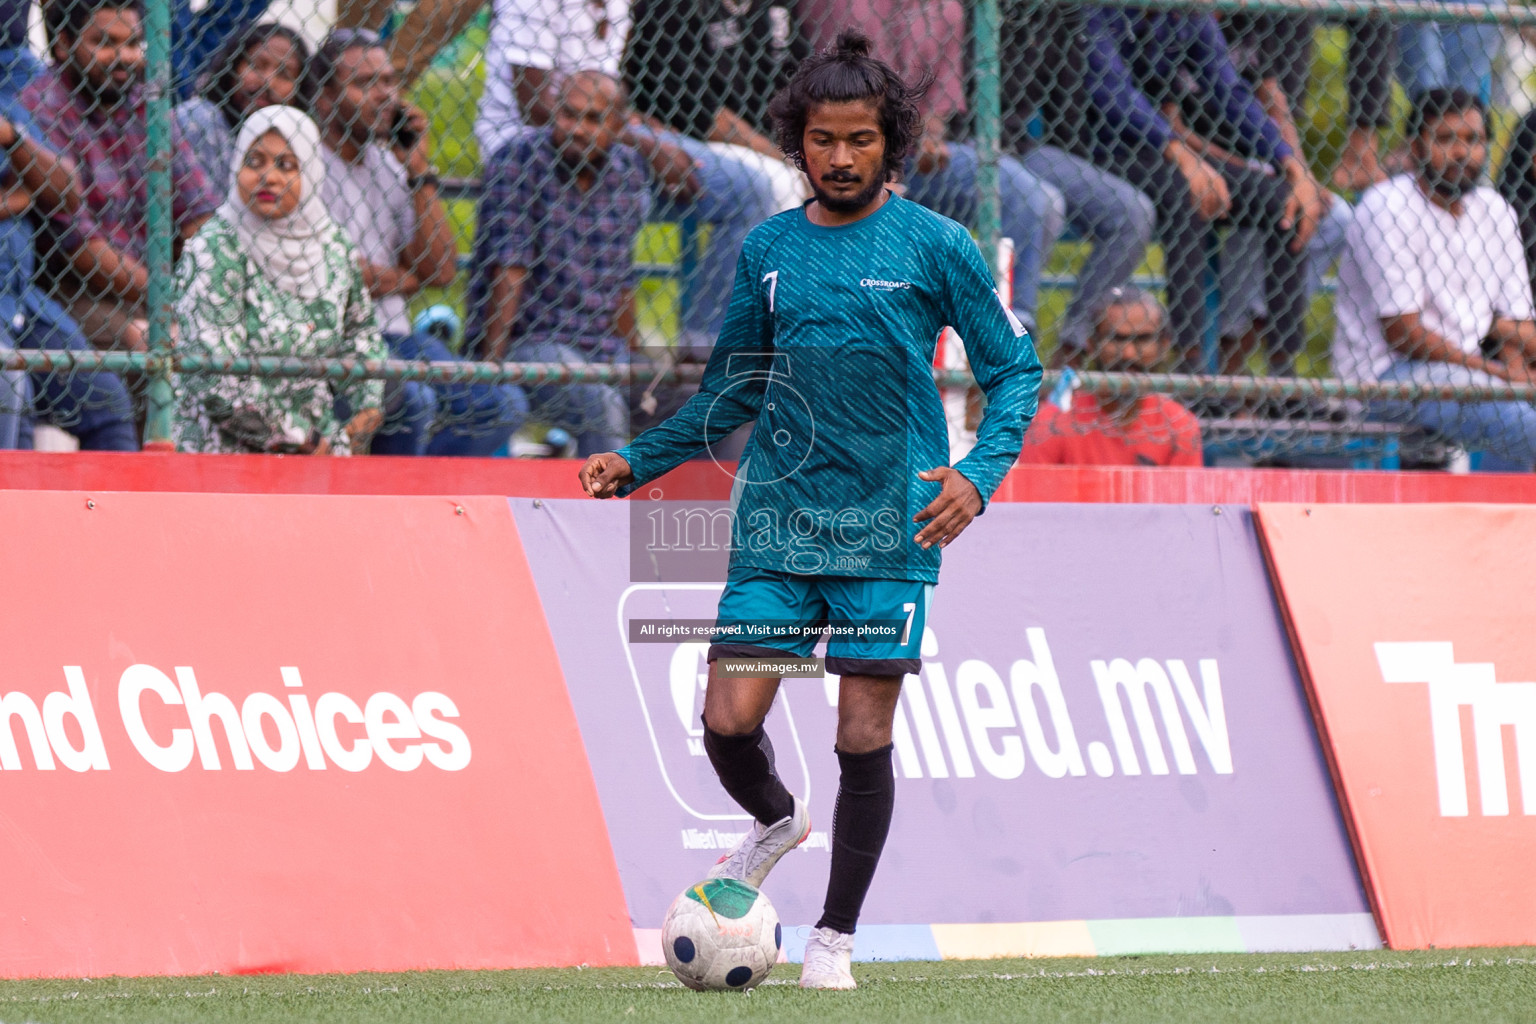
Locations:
(866, 970)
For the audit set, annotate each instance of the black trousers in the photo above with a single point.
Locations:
(1258, 201)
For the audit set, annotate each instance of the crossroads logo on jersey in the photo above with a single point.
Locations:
(884, 286)
(1494, 706)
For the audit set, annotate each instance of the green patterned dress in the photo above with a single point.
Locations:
(226, 306)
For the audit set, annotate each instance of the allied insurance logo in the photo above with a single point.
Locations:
(1451, 686)
(172, 722)
(1125, 717)
(669, 680)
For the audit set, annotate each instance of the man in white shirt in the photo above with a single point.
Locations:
(531, 40)
(1433, 286)
(381, 187)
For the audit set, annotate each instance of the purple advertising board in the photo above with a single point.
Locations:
(1107, 750)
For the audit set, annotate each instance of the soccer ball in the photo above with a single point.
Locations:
(721, 934)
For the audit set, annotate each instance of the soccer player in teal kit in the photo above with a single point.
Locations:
(828, 345)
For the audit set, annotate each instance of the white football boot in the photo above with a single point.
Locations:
(828, 960)
(760, 849)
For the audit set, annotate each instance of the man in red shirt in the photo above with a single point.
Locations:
(1079, 429)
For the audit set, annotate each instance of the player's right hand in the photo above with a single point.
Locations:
(604, 473)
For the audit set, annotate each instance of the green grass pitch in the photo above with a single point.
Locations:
(1460, 986)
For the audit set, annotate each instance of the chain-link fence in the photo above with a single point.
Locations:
(1282, 231)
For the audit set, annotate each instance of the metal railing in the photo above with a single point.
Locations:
(168, 363)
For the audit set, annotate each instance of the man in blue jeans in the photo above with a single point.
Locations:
(1043, 96)
(1150, 73)
(1273, 52)
(701, 76)
(1441, 54)
(94, 407)
(534, 42)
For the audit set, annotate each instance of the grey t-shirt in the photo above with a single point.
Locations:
(372, 202)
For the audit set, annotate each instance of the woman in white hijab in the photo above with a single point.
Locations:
(272, 275)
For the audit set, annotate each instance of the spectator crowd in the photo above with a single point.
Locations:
(309, 217)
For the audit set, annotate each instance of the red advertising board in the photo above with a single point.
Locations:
(288, 733)
(703, 480)
(1414, 628)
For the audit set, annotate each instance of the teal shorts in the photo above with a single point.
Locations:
(876, 625)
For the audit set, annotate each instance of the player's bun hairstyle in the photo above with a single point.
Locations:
(845, 72)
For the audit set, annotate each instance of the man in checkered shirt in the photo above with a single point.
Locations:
(89, 107)
(554, 278)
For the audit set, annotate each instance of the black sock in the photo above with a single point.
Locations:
(745, 767)
(866, 796)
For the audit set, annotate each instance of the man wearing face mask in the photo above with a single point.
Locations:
(1433, 286)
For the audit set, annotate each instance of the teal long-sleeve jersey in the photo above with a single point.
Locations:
(828, 345)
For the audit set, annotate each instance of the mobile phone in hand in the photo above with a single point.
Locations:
(401, 132)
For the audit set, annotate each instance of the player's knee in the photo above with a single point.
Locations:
(860, 737)
(730, 724)
(730, 712)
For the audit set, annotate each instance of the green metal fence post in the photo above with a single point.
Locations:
(988, 124)
(160, 225)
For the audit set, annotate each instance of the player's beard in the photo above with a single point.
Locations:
(859, 201)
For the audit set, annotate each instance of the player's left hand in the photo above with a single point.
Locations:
(951, 512)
